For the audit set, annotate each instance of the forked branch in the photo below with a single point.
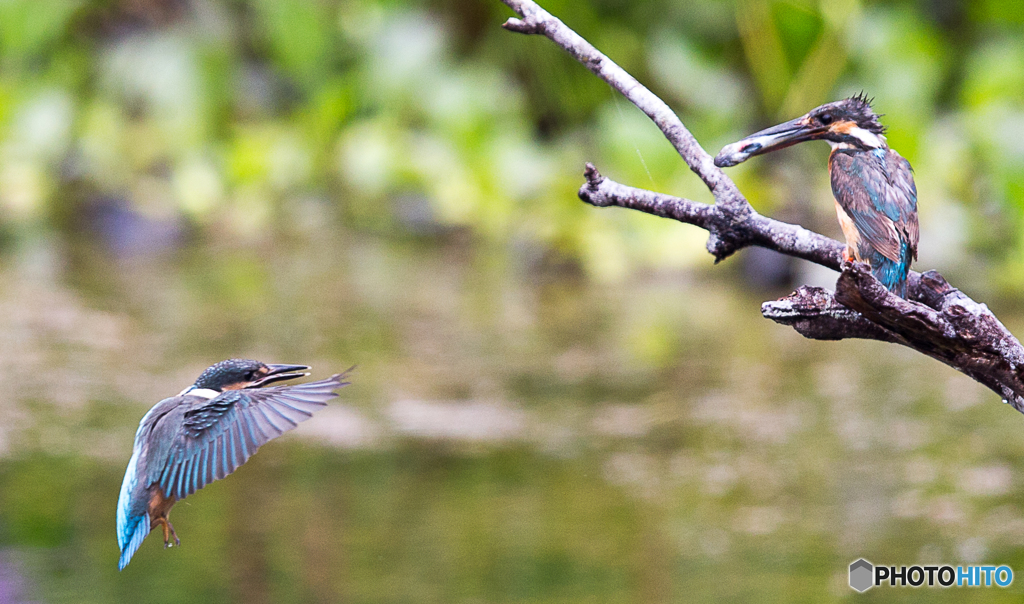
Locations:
(936, 319)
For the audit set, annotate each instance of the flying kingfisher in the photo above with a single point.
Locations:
(876, 199)
(204, 434)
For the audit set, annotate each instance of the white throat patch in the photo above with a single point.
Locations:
(867, 137)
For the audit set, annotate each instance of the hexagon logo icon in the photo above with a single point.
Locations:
(861, 575)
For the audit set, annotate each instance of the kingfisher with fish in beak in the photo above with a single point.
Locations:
(876, 199)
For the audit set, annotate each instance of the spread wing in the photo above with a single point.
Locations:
(221, 434)
(877, 190)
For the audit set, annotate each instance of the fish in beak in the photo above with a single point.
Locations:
(770, 139)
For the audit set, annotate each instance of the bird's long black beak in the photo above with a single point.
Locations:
(280, 373)
(769, 139)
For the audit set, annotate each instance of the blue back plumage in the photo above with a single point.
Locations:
(876, 190)
(133, 522)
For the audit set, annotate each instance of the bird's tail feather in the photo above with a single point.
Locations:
(138, 534)
(893, 275)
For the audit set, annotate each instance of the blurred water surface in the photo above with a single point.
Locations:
(514, 433)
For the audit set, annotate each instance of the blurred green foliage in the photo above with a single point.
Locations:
(408, 117)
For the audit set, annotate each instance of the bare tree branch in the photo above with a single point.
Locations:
(728, 233)
(536, 20)
(936, 319)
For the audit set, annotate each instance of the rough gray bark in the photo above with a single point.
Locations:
(936, 319)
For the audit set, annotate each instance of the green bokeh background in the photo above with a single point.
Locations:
(554, 402)
(410, 115)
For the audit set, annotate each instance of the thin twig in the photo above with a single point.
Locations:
(536, 20)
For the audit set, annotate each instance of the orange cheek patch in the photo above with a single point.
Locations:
(844, 127)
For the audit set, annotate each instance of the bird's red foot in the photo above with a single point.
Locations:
(169, 532)
(173, 534)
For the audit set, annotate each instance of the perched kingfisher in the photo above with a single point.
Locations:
(204, 434)
(876, 199)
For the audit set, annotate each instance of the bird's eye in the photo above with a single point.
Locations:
(250, 375)
(825, 119)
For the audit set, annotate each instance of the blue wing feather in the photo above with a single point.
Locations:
(222, 434)
(138, 528)
(877, 192)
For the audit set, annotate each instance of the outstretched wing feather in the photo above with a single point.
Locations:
(220, 435)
